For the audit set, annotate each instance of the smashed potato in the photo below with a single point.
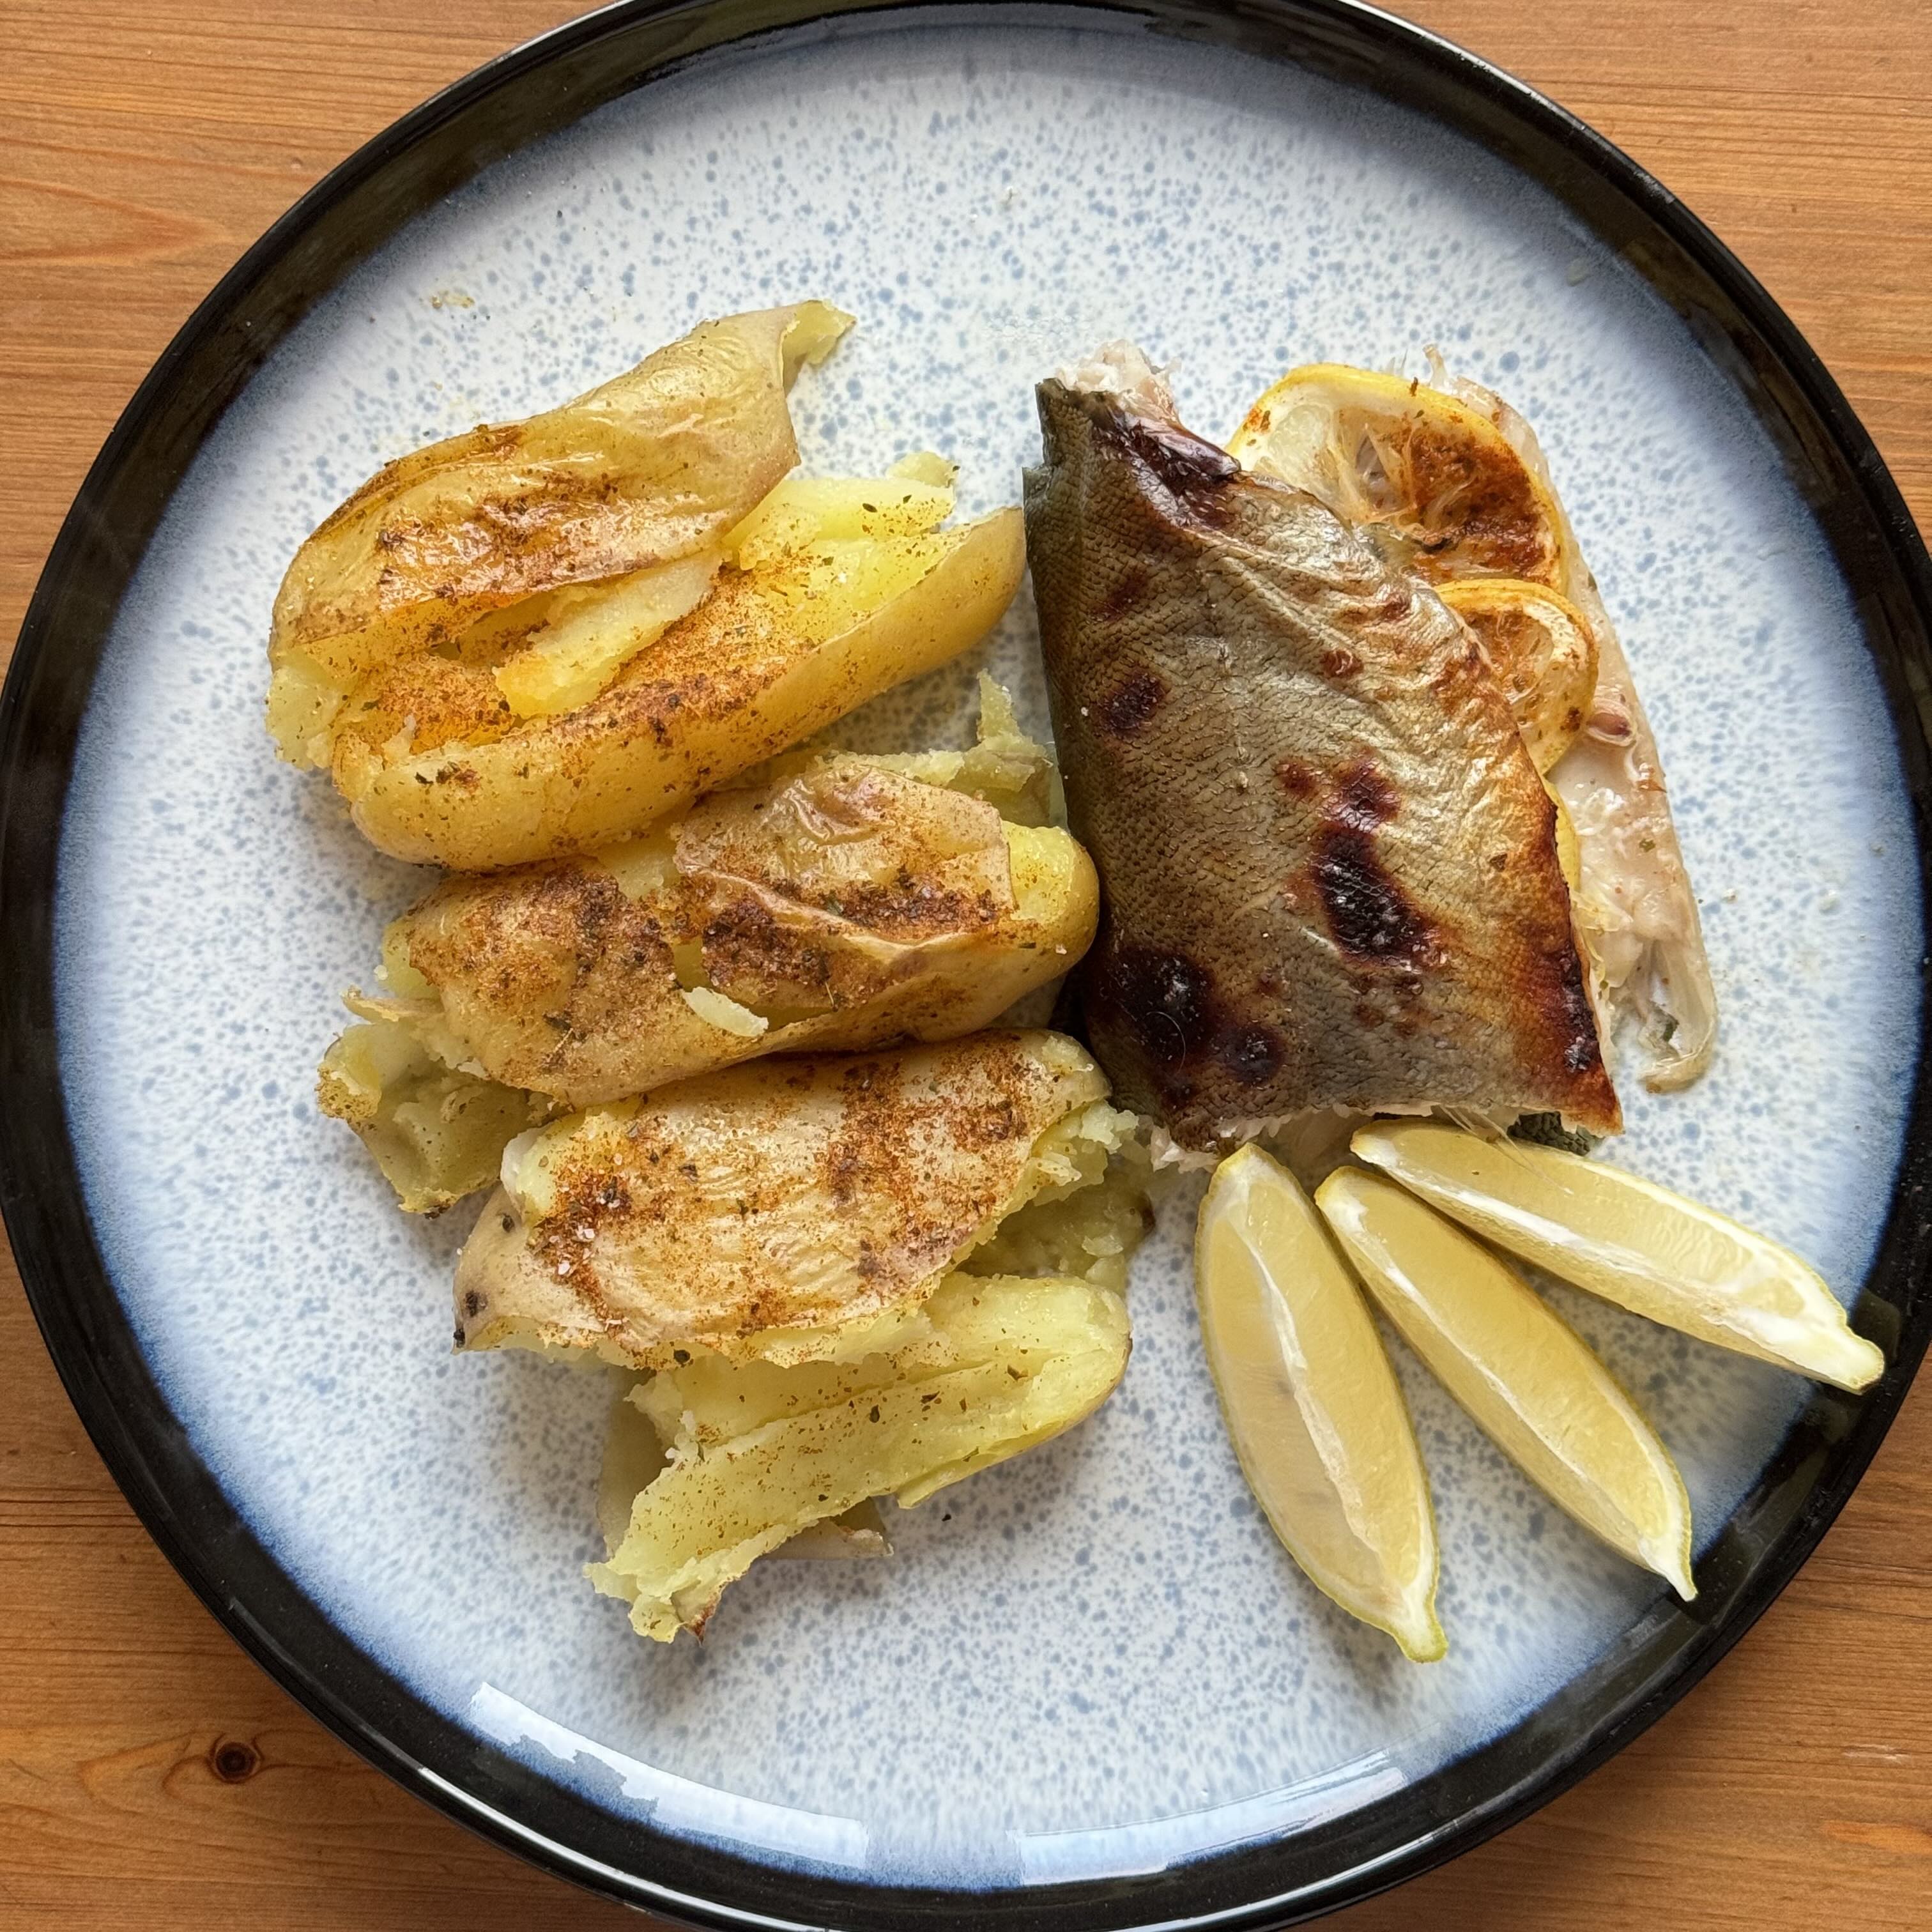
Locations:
(437, 767)
(843, 903)
(536, 638)
(540, 636)
(1087, 1222)
(759, 1452)
(786, 1209)
(436, 1131)
(635, 1456)
(657, 465)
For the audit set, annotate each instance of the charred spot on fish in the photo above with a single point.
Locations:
(1251, 1054)
(1339, 662)
(1125, 594)
(1294, 778)
(1367, 1015)
(1363, 798)
(1369, 913)
(1567, 1003)
(1164, 999)
(1131, 703)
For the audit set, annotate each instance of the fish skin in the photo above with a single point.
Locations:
(1328, 865)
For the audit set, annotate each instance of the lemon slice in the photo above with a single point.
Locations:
(1526, 1377)
(1569, 851)
(1542, 652)
(1634, 1243)
(1432, 473)
(1314, 1410)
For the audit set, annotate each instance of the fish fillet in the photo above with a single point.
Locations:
(1329, 866)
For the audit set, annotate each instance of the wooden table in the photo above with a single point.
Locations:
(150, 1776)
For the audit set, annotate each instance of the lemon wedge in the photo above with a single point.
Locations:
(1525, 1376)
(1542, 652)
(1314, 1410)
(1416, 463)
(1633, 1243)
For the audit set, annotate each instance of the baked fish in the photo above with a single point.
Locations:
(1446, 480)
(1329, 869)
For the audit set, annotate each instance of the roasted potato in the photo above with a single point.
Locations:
(655, 466)
(1087, 1227)
(786, 1210)
(759, 1452)
(842, 903)
(436, 1132)
(535, 639)
(436, 767)
(635, 1456)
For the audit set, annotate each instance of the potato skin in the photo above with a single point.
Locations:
(650, 466)
(784, 1195)
(436, 1132)
(849, 904)
(743, 676)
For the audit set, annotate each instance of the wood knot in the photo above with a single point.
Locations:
(234, 1761)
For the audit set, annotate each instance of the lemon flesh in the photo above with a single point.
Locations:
(1316, 1417)
(1542, 652)
(1527, 1378)
(1632, 1243)
(1421, 466)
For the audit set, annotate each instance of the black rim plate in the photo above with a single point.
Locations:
(526, 94)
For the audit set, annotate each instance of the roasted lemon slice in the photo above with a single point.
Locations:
(1430, 472)
(1648, 1250)
(1541, 649)
(1524, 1376)
(1316, 1417)
(1569, 851)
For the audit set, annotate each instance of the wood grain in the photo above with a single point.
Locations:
(150, 1776)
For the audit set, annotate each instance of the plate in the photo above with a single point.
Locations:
(1090, 1689)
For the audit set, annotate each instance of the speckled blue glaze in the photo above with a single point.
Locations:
(1096, 1660)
